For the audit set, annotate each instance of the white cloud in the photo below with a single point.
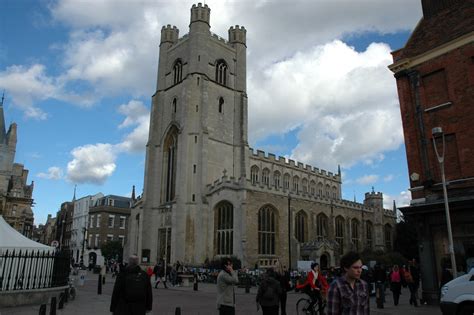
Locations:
(367, 179)
(388, 178)
(136, 114)
(54, 173)
(401, 200)
(92, 163)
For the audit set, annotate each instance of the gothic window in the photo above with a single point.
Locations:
(328, 190)
(301, 229)
(296, 183)
(266, 176)
(276, 179)
(305, 185)
(320, 190)
(340, 233)
(355, 234)
(267, 227)
(312, 186)
(174, 105)
(170, 164)
(177, 71)
(221, 104)
(286, 181)
(334, 192)
(224, 228)
(388, 237)
(321, 227)
(368, 234)
(221, 72)
(254, 174)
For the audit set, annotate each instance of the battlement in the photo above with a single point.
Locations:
(281, 160)
(221, 39)
(169, 34)
(373, 194)
(224, 181)
(200, 13)
(237, 35)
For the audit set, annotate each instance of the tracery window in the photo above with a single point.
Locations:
(266, 176)
(334, 192)
(254, 174)
(170, 163)
(388, 237)
(286, 181)
(328, 190)
(368, 234)
(321, 227)
(276, 179)
(313, 187)
(296, 183)
(305, 185)
(320, 190)
(301, 229)
(221, 72)
(224, 228)
(177, 71)
(355, 234)
(340, 233)
(267, 227)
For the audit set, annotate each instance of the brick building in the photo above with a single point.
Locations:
(108, 220)
(435, 79)
(64, 224)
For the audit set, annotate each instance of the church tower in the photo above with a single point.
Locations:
(198, 132)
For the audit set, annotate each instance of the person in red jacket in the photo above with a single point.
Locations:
(315, 286)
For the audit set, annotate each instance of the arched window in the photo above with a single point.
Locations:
(266, 176)
(388, 237)
(267, 227)
(296, 183)
(221, 104)
(321, 227)
(221, 72)
(254, 174)
(328, 191)
(276, 179)
(301, 229)
(334, 192)
(355, 234)
(170, 163)
(224, 218)
(174, 104)
(369, 228)
(305, 185)
(320, 190)
(286, 181)
(177, 71)
(340, 233)
(312, 186)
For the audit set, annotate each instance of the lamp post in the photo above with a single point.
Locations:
(437, 132)
(289, 232)
(84, 230)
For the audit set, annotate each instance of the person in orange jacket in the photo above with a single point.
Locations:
(315, 286)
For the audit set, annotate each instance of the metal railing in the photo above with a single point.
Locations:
(33, 269)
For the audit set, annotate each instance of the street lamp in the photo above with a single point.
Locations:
(289, 231)
(84, 230)
(437, 133)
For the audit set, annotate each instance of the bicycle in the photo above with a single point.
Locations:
(302, 307)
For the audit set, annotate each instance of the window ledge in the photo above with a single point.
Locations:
(438, 106)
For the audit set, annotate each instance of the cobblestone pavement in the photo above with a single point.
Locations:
(201, 302)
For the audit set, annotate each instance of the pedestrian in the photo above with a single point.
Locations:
(412, 277)
(161, 276)
(226, 280)
(395, 278)
(348, 294)
(155, 272)
(174, 275)
(132, 291)
(315, 286)
(269, 292)
(283, 276)
(380, 277)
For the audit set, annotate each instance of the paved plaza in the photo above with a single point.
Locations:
(201, 302)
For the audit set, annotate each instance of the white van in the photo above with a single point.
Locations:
(457, 296)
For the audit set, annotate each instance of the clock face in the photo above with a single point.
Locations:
(414, 177)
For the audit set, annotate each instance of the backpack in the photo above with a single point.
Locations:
(269, 293)
(135, 286)
(408, 277)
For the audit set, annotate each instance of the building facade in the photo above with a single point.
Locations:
(435, 80)
(64, 225)
(80, 222)
(108, 220)
(207, 194)
(16, 197)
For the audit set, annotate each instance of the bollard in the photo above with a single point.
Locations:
(52, 309)
(66, 295)
(247, 285)
(378, 295)
(99, 287)
(195, 284)
(177, 311)
(61, 301)
(42, 310)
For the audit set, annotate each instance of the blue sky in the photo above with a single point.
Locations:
(78, 78)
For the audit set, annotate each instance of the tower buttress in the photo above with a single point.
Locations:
(238, 40)
(169, 37)
(200, 18)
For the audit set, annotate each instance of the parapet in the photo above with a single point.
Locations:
(169, 34)
(200, 13)
(237, 35)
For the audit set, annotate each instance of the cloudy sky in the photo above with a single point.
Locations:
(78, 76)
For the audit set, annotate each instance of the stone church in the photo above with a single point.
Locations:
(207, 194)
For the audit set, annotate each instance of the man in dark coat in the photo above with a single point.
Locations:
(132, 293)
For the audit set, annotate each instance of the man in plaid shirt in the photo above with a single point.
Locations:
(348, 294)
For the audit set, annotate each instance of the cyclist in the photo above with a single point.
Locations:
(315, 286)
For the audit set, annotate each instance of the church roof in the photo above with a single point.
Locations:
(12, 239)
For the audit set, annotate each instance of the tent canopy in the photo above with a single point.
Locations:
(12, 239)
